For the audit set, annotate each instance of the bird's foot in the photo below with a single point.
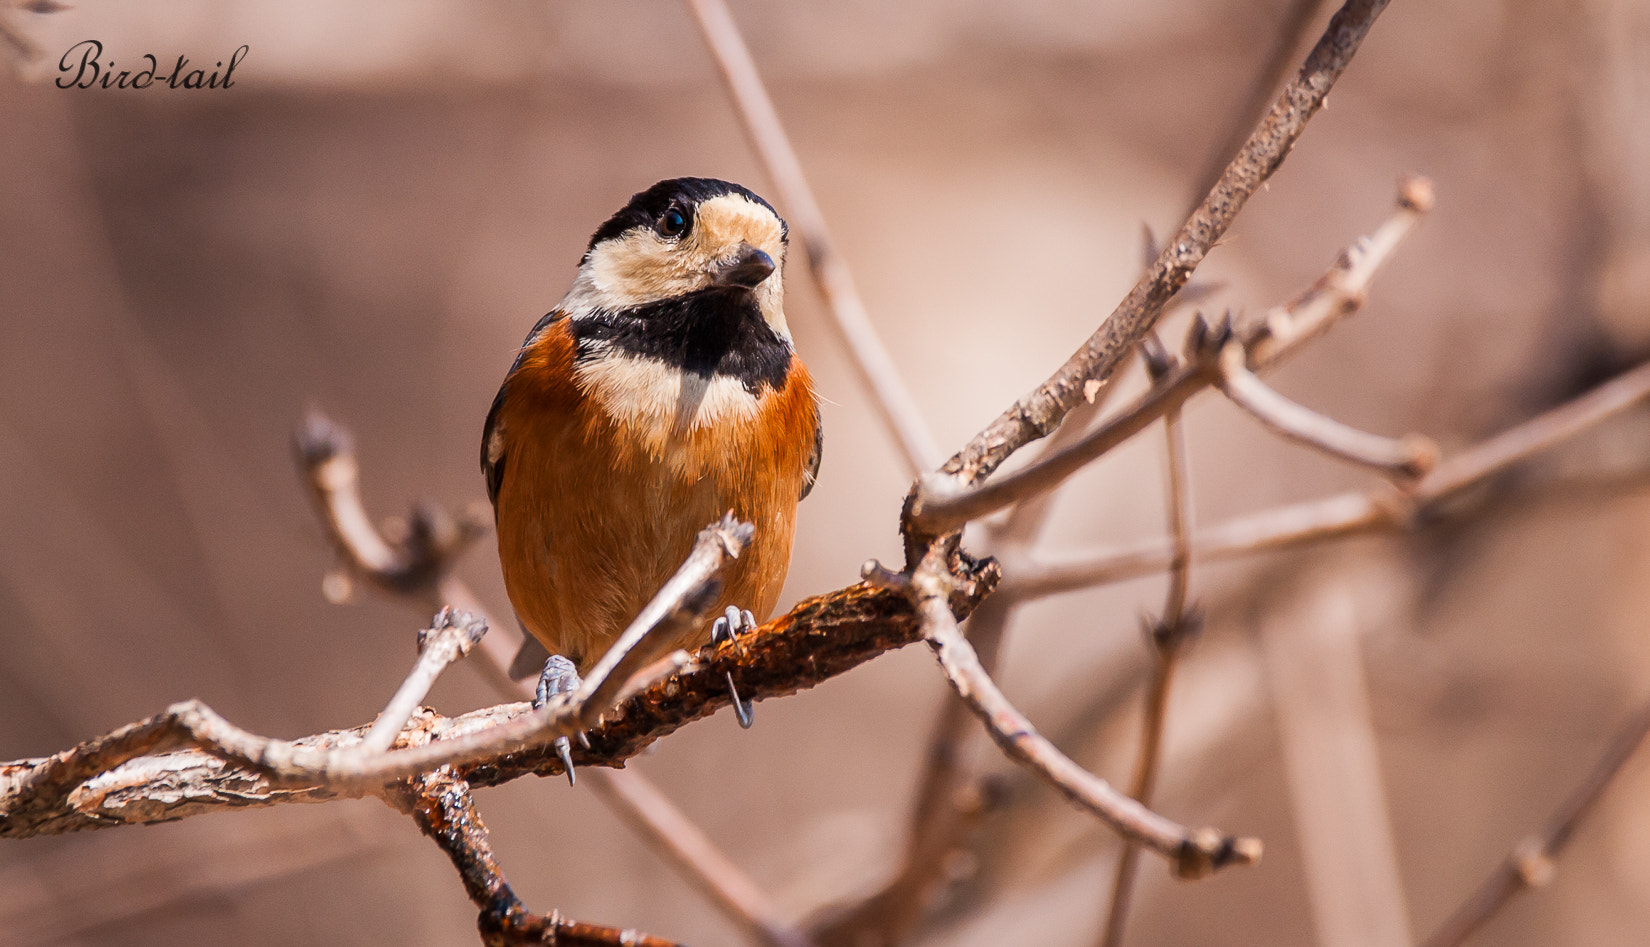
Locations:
(736, 622)
(560, 676)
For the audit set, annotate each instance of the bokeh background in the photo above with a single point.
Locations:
(391, 194)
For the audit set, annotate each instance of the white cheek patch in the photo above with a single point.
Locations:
(642, 267)
(660, 402)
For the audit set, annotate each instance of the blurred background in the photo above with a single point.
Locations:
(390, 195)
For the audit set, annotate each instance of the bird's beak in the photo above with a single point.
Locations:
(746, 268)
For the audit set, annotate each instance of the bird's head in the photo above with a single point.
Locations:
(681, 238)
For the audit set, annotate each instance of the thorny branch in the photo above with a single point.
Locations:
(1531, 862)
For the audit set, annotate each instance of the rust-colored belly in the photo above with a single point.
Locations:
(593, 517)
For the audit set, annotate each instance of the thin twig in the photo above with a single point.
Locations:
(1403, 459)
(696, 858)
(1531, 864)
(943, 502)
(1166, 636)
(440, 802)
(24, 49)
(675, 609)
(419, 567)
(1192, 853)
(1039, 412)
(1348, 513)
(1278, 528)
(849, 317)
(449, 638)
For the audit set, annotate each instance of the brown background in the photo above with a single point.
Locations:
(392, 193)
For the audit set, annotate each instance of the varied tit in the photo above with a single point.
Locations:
(661, 393)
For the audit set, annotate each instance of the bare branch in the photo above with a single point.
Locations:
(1540, 433)
(1167, 636)
(1279, 528)
(441, 804)
(1405, 459)
(419, 568)
(1290, 33)
(451, 637)
(326, 454)
(697, 859)
(24, 49)
(820, 638)
(942, 503)
(849, 317)
(1347, 513)
(1193, 854)
(1038, 413)
(1531, 862)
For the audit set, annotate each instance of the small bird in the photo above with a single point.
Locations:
(662, 392)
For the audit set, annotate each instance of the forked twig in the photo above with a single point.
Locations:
(451, 637)
(1193, 854)
(942, 502)
(1348, 513)
(1038, 413)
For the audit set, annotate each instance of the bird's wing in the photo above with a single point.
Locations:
(814, 456)
(494, 439)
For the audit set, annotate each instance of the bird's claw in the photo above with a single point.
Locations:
(735, 622)
(560, 676)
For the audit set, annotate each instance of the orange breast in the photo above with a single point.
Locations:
(594, 516)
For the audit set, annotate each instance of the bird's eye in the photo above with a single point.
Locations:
(673, 223)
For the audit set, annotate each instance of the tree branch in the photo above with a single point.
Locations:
(441, 804)
(1531, 862)
(942, 503)
(1347, 513)
(328, 465)
(451, 637)
(697, 859)
(1167, 635)
(1405, 459)
(893, 401)
(820, 638)
(1038, 413)
(1193, 854)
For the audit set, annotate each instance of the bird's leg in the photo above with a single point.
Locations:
(736, 622)
(560, 676)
